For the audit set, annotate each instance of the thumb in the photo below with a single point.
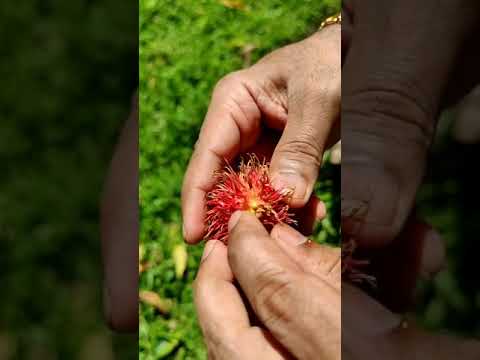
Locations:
(390, 101)
(250, 247)
(313, 111)
(281, 293)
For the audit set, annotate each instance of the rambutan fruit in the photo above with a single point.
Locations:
(248, 189)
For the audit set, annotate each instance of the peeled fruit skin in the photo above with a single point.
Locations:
(248, 189)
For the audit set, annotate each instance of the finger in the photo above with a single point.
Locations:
(364, 318)
(417, 252)
(433, 259)
(315, 209)
(466, 129)
(281, 293)
(222, 314)
(119, 232)
(389, 105)
(313, 108)
(232, 124)
(466, 76)
(320, 260)
(310, 214)
(220, 309)
(252, 255)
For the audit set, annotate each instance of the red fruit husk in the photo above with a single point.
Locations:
(248, 189)
(352, 267)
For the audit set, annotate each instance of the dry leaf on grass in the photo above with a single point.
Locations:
(180, 258)
(233, 4)
(247, 51)
(153, 299)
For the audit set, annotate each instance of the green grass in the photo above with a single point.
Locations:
(185, 48)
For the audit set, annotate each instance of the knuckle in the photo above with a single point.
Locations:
(222, 347)
(322, 83)
(232, 79)
(394, 111)
(274, 291)
(305, 149)
(329, 267)
(219, 345)
(239, 244)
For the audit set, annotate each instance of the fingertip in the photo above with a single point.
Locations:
(310, 214)
(287, 235)
(234, 220)
(433, 254)
(214, 263)
(320, 209)
(247, 221)
(246, 235)
(193, 212)
(193, 232)
(295, 183)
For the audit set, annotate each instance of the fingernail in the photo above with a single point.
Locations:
(207, 250)
(291, 181)
(320, 211)
(234, 220)
(290, 236)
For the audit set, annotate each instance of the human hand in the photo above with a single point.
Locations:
(402, 60)
(119, 230)
(289, 303)
(295, 90)
(371, 330)
(277, 297)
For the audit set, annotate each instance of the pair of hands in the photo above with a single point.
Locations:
(395, 82)
(289, 302)
(280, 296)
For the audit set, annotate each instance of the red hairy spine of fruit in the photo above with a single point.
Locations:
(248, 189)
(352, 267)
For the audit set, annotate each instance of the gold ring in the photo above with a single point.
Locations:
(331, 20)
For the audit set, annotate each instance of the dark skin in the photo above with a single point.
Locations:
(397, 77)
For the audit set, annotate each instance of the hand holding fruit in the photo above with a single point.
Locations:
(291, 284)
(293, 92)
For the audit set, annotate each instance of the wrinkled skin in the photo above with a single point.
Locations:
(278, 296)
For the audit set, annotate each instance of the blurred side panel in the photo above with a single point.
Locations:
(68, 71)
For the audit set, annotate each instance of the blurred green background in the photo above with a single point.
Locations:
(185, 48)
(68, 71)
